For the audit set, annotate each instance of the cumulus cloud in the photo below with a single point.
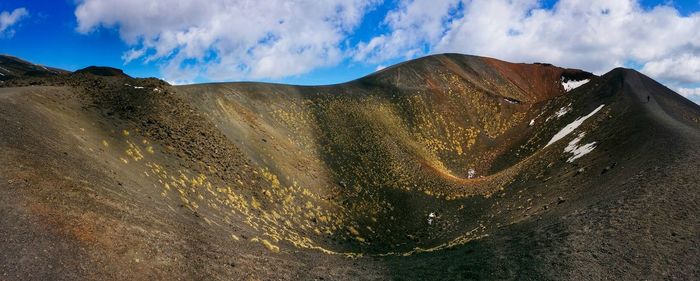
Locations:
(412, 25)
(595, 35)
(690, 93)
(223, 40)
(682, 67)
(9, 19)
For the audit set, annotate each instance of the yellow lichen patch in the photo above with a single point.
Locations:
(125, 133)
(105, 143)
(353, 231)
(270, 177)
(134, 151)
(267, 244)
(294, 212)
(254, 203)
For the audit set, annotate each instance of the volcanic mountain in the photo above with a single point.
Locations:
(12, 67)
(448, 167)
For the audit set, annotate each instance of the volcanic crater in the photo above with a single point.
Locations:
(448, 167)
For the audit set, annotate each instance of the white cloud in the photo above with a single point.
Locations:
(596, 35)
(692, 94)
(683, 67)
(133, 54)
(223, 40)
(411, 24)
(8, 19)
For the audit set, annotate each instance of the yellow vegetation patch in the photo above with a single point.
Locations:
(353, 230)
(267, 244)
(134, 151)
(254, 203)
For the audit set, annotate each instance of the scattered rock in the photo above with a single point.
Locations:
(608, 168)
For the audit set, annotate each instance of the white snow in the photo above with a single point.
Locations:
(471, 174)
(571, 84)
(571, 127)
(156, 90)
(2, 74)
(5, 69)
(576, 150)
(430, 218)
(138, 87)
(562, 111)
(532, 123)
(511, 101)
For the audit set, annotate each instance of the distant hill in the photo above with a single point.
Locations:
(102, 71)
(12, 67)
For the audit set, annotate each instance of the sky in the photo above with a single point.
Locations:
(332, 41)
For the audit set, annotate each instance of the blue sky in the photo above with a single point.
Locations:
(49, 37)
(324, 42)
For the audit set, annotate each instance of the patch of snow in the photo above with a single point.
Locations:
(2, 74)
(471, 174)
(5, 69)
(571, 127)
(431, 217)
(532, 123)
(138, 87)
(156, 90)
(571, 84)
(562, 111)
(577, 150)
(511, 101)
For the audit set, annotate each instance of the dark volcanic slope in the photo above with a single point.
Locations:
(12, 67)
(448, 167)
